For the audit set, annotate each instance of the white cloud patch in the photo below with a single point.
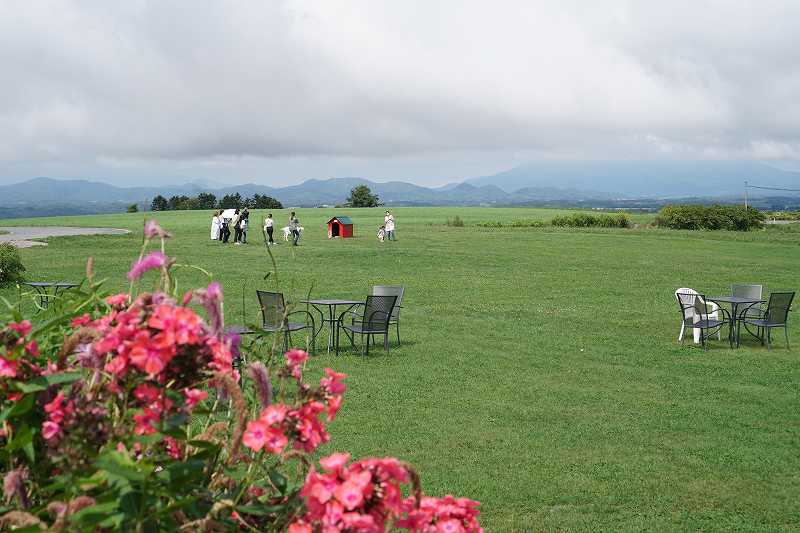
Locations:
(368, 85)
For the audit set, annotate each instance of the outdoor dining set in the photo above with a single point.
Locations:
(373, 316)
(707, 316)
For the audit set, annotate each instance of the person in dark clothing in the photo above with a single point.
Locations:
(237, 229)
(294, 226)
(268, 227)
(225, 230)
(244, 221)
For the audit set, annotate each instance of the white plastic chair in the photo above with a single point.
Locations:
(710, 307)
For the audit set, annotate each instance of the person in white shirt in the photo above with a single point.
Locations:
(389, 224)
(268, 228)
(381, 233)
(215, 224)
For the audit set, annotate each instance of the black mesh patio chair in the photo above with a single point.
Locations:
(747, 291)
(275, 319)
(392, 290)
(775, 315)
(373, 321)
(695, 315)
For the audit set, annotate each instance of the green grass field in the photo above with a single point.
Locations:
(539, 371)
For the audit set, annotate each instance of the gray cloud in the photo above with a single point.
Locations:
(198, 88)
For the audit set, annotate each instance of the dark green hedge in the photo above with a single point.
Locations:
(715, 217)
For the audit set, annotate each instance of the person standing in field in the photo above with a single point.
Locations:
(215, 224)
(244, 221)
(269, 228)
(294, 227)
(381, 233)
(388, 222)
(237, 233)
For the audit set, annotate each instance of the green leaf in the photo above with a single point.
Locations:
(278, 479)
(119, 464)
(44, 382)
(94, 514)
(23, 440)
(21, 407)
(256, 510)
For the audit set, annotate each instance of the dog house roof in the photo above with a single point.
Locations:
(342, 220)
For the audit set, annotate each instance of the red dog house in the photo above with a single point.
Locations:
(340, 227)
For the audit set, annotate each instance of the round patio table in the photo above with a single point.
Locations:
(331, 318)
(735, 302)
(42, 288)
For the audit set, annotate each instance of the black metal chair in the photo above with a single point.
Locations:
(275, 318)
(775, 315)
(747, 291)
(392, 290)
(373, 321)
(694, 314)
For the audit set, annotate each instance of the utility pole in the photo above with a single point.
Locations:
(745, 194)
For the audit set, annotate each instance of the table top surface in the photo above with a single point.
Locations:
(241, 330)
(734, 299)
(62, 284)
(331, 302)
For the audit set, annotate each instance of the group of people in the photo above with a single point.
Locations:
(223, 221)
(221, 226)
(232, 219)
(386, 231)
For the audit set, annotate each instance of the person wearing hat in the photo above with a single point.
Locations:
(388, 222)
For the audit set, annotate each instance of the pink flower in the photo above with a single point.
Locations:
(297, 527)
(32, 348)
(211, 300)
(296, 357)
(334, 462)
(145, 421)
(332, 382)
(50, 430)
(8, 368)
(349, 494)
(255, 437)
(273, 414)
(193, 397)
(334, 404)
(146, 394)
(152, 229)
(153, 261)
(22, 328)
(79, 321)
(117, 300)
(276, 441)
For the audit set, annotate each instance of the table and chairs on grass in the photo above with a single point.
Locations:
(366, 318)
(49, 290)
(709, 316)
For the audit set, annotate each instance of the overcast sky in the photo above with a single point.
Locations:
(426, 91)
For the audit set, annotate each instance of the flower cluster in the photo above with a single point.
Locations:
(15, 347)
(360, 497)
(441, 515)
(299, 423)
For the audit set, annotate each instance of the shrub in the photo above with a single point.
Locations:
(125, 413)
(456, 222)
(133, 208)
(523, 223)
(715, 217)
(11, 267)
(588, 220)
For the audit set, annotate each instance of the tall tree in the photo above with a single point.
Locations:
(260, 201)
(178, 202)
(206, 200)
(231, 201)
(361, 196)
(159, 203)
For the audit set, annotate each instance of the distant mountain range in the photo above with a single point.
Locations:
(578, 183)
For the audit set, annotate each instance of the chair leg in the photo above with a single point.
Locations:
(680, 335)
(366, 353)
(786, 334)
(386, 340)
(769, 337)
(397, 324)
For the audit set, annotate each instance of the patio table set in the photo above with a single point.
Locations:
(708, 316)
(372, 316)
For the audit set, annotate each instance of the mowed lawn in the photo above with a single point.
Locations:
(539, 371)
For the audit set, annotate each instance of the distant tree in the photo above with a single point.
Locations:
(159, 203)
(178, 202)
(361, 196)
(231, 201)
(133, 208)
(260, 201)
(206, 200)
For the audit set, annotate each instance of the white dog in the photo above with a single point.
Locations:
(286, 232)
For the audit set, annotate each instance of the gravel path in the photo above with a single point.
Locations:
(21, 236)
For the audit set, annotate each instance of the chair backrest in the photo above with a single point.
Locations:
(378, 311)
(691, 302)
(778, 307)
(747, 291)
(390, 290)
(273, 308)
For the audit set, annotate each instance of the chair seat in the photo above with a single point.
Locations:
(360, 328)
(705, 323)
(291, 326)
(763, 323)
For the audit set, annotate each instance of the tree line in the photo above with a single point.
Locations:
(206, 200)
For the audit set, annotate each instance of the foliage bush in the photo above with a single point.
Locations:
(784, 215)
(11, 267)
(126, 413)
(587, 220)
(523, 223)
(715, 217)
(455, 222)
